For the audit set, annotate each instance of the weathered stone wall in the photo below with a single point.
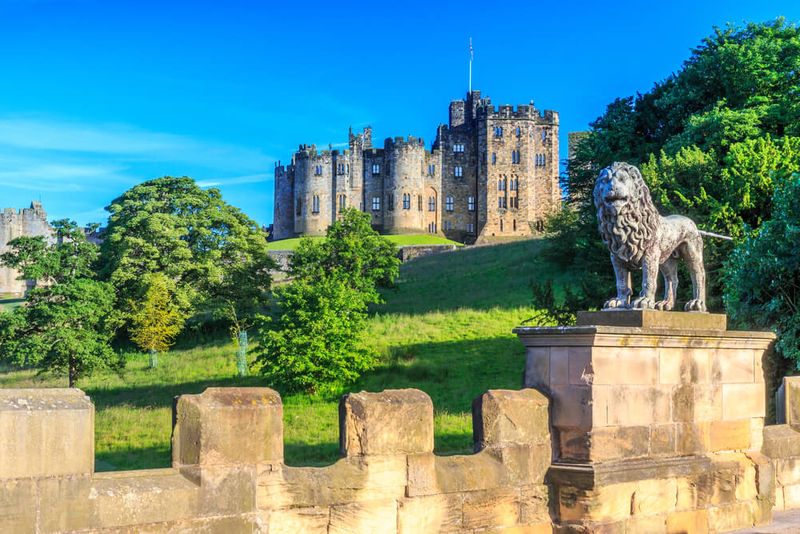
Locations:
(228, 473)
(405, 160)
(283, 221)
(17, 223)
(417, 251)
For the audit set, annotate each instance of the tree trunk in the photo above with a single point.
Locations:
(72, 373)
(241, 354)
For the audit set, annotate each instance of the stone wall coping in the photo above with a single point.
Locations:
(593, 475)
(43, 399)
(599, 335)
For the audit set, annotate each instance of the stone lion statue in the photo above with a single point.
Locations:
(639, 238)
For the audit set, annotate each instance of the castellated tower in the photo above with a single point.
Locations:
(492, 172)
(17, 223)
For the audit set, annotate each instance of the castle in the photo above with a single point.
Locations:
(491, 172)
(17, 223)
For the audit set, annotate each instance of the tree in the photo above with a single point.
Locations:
(190, 235)
(710, 140)
(66, 325)
(763, 274)
(156, 319)
(314, 342)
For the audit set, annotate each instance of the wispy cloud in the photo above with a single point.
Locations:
(236, 180)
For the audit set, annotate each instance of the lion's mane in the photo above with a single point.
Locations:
(629, 233)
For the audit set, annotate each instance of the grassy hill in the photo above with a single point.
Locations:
(399, 240)
(445, 329)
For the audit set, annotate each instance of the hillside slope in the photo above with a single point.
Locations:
(445, 329)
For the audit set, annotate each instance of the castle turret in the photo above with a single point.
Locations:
(283, 222)
(18, 223)
(404, 184)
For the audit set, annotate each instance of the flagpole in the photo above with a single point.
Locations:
(470, 64)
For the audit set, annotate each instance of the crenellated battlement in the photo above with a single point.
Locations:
(228, 471)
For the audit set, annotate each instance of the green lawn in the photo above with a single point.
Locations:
(399, 240)
(446, 329)
(8, 302)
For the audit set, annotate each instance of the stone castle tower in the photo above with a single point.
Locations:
(491, 172)
(17, 223)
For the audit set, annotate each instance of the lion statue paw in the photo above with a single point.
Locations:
(644, 303)
(665, 305)
(615, 303)
(695, 305)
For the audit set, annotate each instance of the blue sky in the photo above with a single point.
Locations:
(96, 96)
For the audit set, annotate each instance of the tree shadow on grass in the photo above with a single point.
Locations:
(452, 373)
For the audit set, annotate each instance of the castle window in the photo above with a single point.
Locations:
(470, 228)
(340, 168)
(448, 225)
(519, 131)
(471, 203)
(431, 203)
(494, 158)
(448, 203)
(513, 185)
(514, 224)
(406, 201)
(342, 202)
(432, 227)
(458, 147)
(459, 171)
(431, 170)
(419, 202)
(318, 170)
(540, 160)
(501, 202)
(299, 209)
(515, 156)
(315, 204)
(501, 225)
(390, 202)
(544, 136)
(498, 131)
(376, 203)
(376, 169)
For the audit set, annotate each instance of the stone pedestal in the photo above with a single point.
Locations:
(657, 420)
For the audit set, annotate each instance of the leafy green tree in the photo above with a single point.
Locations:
(156, 320)
(190, 235)
(763, 274)
(314, 342)
(65, 328)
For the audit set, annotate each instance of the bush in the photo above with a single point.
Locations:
(763, 274)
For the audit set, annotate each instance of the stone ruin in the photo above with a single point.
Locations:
(632, 421)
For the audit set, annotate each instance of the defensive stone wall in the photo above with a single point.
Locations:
(229, 476)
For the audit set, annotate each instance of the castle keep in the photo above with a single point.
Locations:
(17, 223)
(491, 172)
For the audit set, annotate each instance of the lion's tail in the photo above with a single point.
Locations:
(712, 234)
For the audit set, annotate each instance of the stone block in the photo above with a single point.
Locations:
(625, 405)
(433, 513)
(391, 422)
(627, 366)
(537, 368)
(354, 479)
(226, 426)
(688, 522)
(729, 435)
(781, 441)
(377, 517)
(604, 504)
(791, 407)
(693, 438)
(534, 505)
(309, 520)
(791, 497)
(663, 439)
(684, 365)
(619, 442)
(17, 506)
(45, 433)
(732, 516)
(492, 508)
(559, 364)
(654, 497)
(696, 403)
(573, 407)
(787, 471)
(580, 370)
(743, 400)
(503, 417)
(430, 475)
(733, 366)
(655, 319)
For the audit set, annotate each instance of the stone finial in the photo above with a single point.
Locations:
(224, 426)
(46, 433)
(396, 421)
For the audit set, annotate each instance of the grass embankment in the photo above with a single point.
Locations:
(445, 329)
(8, 301)
(399, 240)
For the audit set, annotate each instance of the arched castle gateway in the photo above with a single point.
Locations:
(492, 172)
